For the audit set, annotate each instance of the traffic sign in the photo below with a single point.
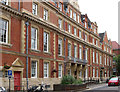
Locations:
(9, 72)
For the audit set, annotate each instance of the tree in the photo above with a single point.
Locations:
(117, 59)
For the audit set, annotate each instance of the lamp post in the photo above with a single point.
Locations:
(27, 24)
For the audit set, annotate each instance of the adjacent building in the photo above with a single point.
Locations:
(116, 52)
(61, 41)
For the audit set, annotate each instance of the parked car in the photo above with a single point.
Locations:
(2, 89)
(114, 81)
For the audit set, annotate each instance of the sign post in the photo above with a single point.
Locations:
(9, 76)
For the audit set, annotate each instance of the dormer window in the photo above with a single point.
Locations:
(60, 6)
(5, 2)
(95, 30)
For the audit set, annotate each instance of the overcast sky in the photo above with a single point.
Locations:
(105, 13)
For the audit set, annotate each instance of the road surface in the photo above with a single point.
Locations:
(102, 88)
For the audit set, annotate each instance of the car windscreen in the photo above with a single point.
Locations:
(114, 79)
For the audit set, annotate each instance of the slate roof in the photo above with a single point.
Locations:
(101, 36)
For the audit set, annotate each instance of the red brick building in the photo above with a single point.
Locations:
(116, 48)
(116, 52)
(61, 41)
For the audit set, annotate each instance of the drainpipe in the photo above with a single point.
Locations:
(27, 24)
(64, 52)
(19, 5)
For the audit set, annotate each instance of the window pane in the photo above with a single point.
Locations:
(33, 38)
(59, 46)
(33, 69)
(45, 41)
(60, 71)
(45, 70)
(4, 31)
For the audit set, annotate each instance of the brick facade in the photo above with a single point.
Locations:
(15, 49)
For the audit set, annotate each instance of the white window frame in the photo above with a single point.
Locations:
(46, 41)
(110, 62)
(78, 19)
(69, 49)
(105, 59)
(34, 8)
(4, 26)
(97, 57)
(60, 71)
(35, 70)
(97, 73)
(75, 31)
(34, 38)
(46, 74)
(74, 16)
(80, 53)
(96, 42)
(94, 29)
(70, 13)
(75, 51)
(60, 23)
(60, 47)
(108, 73)
(105, 48)
(85, 25)
(93, 56)
(86, 54)
(80, 34)
(45, 14)
(69, 28)
(85, 37)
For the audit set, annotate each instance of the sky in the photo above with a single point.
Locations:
(104, 13)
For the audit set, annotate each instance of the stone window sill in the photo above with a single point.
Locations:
(47, 52)
(61, 56)
(34, 50)
(6, 44)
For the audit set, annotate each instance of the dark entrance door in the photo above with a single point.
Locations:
(16, 80)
